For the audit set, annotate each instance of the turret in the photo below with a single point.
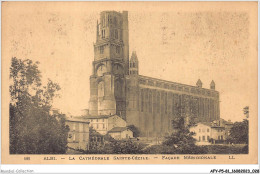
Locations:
(199, 83)
(97, 31)
(133, 65)
(132, 94)
(212, 85)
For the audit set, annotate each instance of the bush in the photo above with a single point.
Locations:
(135, 130)
(164, 149)
(125, 147)
(181, 141)
(112, 146)
(239, 132)
(226, 149)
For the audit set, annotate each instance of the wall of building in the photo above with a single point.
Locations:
(78, 136)
(103, 124)
(202, 133)
(115, 121)
(99, 124)
(115, 135)
(159, 102)
(218, 133)
(126, 134)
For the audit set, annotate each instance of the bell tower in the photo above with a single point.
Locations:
(110, 65)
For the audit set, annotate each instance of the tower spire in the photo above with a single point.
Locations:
(133, 66)
(212, 85)
(97, 30)
(199, 83)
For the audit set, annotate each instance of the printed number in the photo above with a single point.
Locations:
(26, 158)
(231, 157)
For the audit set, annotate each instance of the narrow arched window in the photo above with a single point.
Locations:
(116, 34)
(117, 49)
(159, 103)
(142, 100)
(150, 102)
(166, 104)
(115, 20)
(118, 88)
(101, 91)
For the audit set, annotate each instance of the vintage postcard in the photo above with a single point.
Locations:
(129, 83)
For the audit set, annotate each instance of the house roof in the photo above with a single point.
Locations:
(118, 129)
(77, 120)
(205, 123)
(226, 122)
(95, 116)
(218, 127)
(210, 125)
(221, 123)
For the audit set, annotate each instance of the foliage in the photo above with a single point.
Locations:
(32, 129)
(179, 138)
(181, 141)
(164, 149)
(206, 149)
(160, 149)
(96, 143)
(226, 149)
(124, 147)
(246, 111)
(116, 147)
(239, 132)
(105, 144)
(245, 149)
(135, 130)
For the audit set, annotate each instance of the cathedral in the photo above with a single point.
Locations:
(151, 104)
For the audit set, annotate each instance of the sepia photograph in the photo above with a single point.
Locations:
(129, 82)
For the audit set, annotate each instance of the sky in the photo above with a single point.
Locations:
(176, 43)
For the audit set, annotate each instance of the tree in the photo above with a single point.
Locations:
(105, 144)
(32, 129)
(181, 140)
(246, 111)
(239, 132)
(124, 147)
(96, 143)
(135, 130)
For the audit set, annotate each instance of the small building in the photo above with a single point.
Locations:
(103, 123)
(78, 136)
(202, 133)
(217, 134)
(207, 133)
(226, 124)
(120, 133)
